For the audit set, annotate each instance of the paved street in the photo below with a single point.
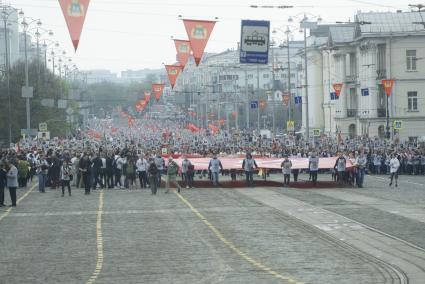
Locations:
(245, 235)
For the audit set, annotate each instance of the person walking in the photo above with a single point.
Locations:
(215, 167)
(313, 166)
(85, 167)
(66, 174)
(172, 171)
(394, 166)
(110, 170)
(12, 182)
(23, 171)
(160, 163)
(360, 163)
(3, 181)
(42, 169)
(286, 170)
(152, 173)
(142, 166)
(187, 171)
(340, 165)
(248, 165)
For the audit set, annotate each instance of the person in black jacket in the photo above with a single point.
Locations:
(110, 170)
(3, 180)
(96, 167)
(85, 168)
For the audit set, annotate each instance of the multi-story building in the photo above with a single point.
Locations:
(100, 75)
(360, 55)
(221, 88)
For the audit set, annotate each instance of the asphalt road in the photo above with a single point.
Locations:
(255, 235)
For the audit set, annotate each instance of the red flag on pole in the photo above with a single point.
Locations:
(198, 33)
(388, 86)
(338, 87)
(74, 12)
(157, 90)
(173, 72)
(147, 96)
(183, 51)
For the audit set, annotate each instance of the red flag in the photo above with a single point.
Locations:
(214, 129)
(74, 12)
(388, 86)
(183, 51)
(263, 104)
(222, 121)
(198, 33)
(157, 90)
(338, 88)
(173, 72)
(147, 96)
(286, 99)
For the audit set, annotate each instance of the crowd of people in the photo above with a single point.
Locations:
(110, 155)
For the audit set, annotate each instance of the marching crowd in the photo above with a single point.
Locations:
(108, 157)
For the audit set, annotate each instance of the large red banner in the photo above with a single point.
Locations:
(338, 87)
(388, 86)
(157, 90)
(183, 51)
(199, 33)
(75, 12)
(173, 72)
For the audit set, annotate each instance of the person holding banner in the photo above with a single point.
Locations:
(215, 167)
(313, 165)
(248, 165)
(286, 170)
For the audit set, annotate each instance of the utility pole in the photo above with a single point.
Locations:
(6, 36)
(306, 87)
(289, 78)
(247, 99)
(258, 99)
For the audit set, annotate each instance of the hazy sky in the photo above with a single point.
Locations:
(135, 34)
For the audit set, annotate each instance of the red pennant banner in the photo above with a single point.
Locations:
(183, 51)
(147, 96)
(173, 72)
(263, 104)
(74, 12)
(388, 86)
(214, 129)
(285, 99)
(222, 122)
(157, 90)
(199, 33)
(338, 87)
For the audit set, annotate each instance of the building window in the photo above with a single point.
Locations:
(292, 75)
(412, 101)
(266, 86)
(283, 75)
(250, 76)
(411, 60)
(266, 76)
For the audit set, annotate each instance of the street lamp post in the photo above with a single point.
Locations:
(28, 107)
(5, 17)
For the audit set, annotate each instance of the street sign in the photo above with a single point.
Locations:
(27, 92)
(365, 92)
(398, 124)
(42, 127)
(254, 45)
(29, 132)
(290, 125)
(316, 132)
(48, 102)
(254, 104)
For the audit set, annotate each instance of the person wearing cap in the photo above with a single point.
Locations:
(172, 171)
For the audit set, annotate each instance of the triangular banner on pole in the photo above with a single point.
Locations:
(173, 72)
(183, 51)
(147, 96)
(157, 90)
(198, 32)
(338, 87)
(75, 12)
(388, 86)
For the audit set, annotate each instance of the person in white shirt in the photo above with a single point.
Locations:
(286, 170)
(313, 165)
(142, 166)
(394, 166)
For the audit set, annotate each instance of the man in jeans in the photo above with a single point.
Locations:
(361, 162)
(248, 165)
(313, 166)
(172, 171)
(215, 166)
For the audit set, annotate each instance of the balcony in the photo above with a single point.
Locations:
(382, 112)
(351, 112)
(381, 74)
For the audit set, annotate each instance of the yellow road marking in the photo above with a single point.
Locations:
(99, 241)
(7, 212)
(230, 245)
